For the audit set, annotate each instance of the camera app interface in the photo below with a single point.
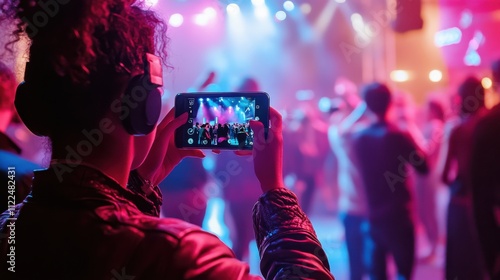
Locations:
(221, 122)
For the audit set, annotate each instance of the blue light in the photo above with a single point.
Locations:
(201, 99)
(324, 104)
(208, 99)
(446, 37)
(233, 9)
(472, 58)
(258, 2)
(280, 15)
(208, 163)
(214, 220)
(288, 6)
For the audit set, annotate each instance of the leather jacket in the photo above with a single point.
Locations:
(86, 226)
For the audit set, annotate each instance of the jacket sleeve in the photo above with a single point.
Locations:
(288, 246)
(202, 255)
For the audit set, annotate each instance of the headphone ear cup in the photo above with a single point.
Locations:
(33, 109)
(141, 106)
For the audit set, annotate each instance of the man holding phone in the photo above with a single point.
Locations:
(92, 221)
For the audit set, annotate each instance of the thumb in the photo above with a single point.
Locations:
(167, 119)
(258, 132)
(256, 126)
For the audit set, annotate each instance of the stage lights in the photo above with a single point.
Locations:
(258, 3)
(486, 82)
(233, 9)
(176, 20)
(280, 15)
(210, 13)
(357, 22)
(400, 76)
(435, 76)
(324, 104)
(261, 12)
(288, 6)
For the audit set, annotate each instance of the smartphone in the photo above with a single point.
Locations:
(220, 120)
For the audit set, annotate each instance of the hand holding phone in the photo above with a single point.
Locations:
(268, 153)
(220, 120)
(163, 156)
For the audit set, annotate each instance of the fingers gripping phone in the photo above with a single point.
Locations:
(220, 120)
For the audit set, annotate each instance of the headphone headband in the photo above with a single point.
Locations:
(142, 98)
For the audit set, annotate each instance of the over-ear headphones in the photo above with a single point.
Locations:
(32, 106)
(141, 102)
(142, 99)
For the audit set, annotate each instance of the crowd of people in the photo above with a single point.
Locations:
(227, 134)
(378, 143)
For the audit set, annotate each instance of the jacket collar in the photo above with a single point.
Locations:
(84, 183)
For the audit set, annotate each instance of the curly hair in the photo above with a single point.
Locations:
(79, 37)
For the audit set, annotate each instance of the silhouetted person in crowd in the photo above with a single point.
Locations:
(306, 151)
(385, 155)
(16, 172)
(223, 131)
(463, 258)
(485, 180)
(428, 185)
(197, 132)
(94, 212)
(241, 135)
(353, 205)
(205, 134)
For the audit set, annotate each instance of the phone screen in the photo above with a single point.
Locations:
(220, 122)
